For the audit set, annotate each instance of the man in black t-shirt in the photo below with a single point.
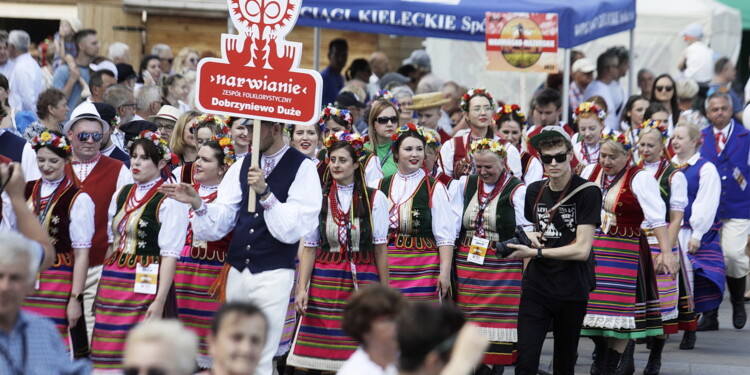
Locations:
(560, 274)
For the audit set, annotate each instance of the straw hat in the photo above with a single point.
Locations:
(429, 100)
(166, 112)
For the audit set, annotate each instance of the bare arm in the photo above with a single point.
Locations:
(446, 262)
(306, 264)
(166, 276)
(80, 269)
(27, 222)
(577, 250)
(381, 261)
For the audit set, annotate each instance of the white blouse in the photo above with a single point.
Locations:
(173, 216)
(360, 363)
(706, 201)
(678, 198)
(646, 190)
(513, 159)
(9, 217)
(593, 153)
(81, 215)
(373, 172)
(379, 216)
(458, 188)
(287, 222)
(443, 218)
(534, 172)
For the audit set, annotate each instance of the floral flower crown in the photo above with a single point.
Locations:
(472, 93)
(406, 128)
(331, 110)
(161, 144)
(613, 135)
(510, 109)
(357, 143)
(589, 107)
(387, 95)
(657, 125)
(488, 144)
(210, 118)
(225, 142)
(52, 140)
(431, 141)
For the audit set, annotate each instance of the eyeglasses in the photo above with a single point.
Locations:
(128, 105)
(384, 120)
(192, 130)
(167, 60)
(83, 137)
(664, 88)
(167, 127)
(193, 60)
(547, 159)
(148, 371)
(479, 109)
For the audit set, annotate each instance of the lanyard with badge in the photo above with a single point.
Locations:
(480, 244)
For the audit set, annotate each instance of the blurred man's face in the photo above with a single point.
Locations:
(14, 286)
(338, 57)
(3, 53)
(238, 344)
(89, 45)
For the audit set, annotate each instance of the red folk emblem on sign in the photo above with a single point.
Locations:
(258, 75)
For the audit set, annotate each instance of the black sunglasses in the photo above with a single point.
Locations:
(193, 60)
(664, 88)
(149, 371)
(84, 136)
(384, 120)
(547, 159)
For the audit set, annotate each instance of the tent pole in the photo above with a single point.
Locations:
(316, 48)
(566, 84)
(631, 74)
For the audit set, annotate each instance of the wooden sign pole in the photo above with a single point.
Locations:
(254, 161)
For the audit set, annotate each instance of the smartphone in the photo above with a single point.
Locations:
(146, 75)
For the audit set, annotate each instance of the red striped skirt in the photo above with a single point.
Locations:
(195, 306)
(290, 322)
(489, 295)
(52, 296)
(320, 343)
(414, 272)
(625, 303)
(117, 309)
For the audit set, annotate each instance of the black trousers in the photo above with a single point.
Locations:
(535, 314)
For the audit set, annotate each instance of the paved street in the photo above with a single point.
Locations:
(722, 352)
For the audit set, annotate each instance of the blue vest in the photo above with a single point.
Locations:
(692, 175)
(11, 146)
(734, 202)
(253, 247)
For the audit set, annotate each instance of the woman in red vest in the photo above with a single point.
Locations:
(55, 199)
(347, 252)
(625, 304)
(147, 236)
(198, 275)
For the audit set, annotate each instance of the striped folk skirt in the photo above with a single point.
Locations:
(415, 272)
(117, 309)
(489, 295)
(320, 343)
(674, 297)
(290, 322)
(195, 306)
(51, 298)
(625, 304)
(708, 272)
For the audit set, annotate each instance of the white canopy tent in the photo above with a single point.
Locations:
(658, 47)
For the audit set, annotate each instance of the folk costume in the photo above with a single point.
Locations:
(56, 203)
(456, 160)
(345, 263)
(420, 220)
(625, 304)
(488, 290)
(262, 259)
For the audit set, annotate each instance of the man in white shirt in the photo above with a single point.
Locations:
(288, 201)
(697, 59)
(6, 64)
(379, 65)
(26, 79)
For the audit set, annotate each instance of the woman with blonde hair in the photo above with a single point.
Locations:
(382, 124)
(186, 60)
(182, 142)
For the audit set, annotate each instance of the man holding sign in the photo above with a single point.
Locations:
(262, 251)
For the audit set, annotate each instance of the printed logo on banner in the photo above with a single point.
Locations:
(258, 74)
(522, 41)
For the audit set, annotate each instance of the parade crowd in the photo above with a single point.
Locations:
(419, 227)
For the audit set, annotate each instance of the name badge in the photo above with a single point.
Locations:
(739, 178)
(478, 250)
(37, 282)
(146, 278)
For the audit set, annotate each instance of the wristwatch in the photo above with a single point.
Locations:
(539, 253)
(77, 296)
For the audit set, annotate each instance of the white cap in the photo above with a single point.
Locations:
(166, 112)
(694, 30)
(583, 65)
(85, 110)
(107, 65)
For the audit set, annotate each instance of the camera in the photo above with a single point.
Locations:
(519, 238)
